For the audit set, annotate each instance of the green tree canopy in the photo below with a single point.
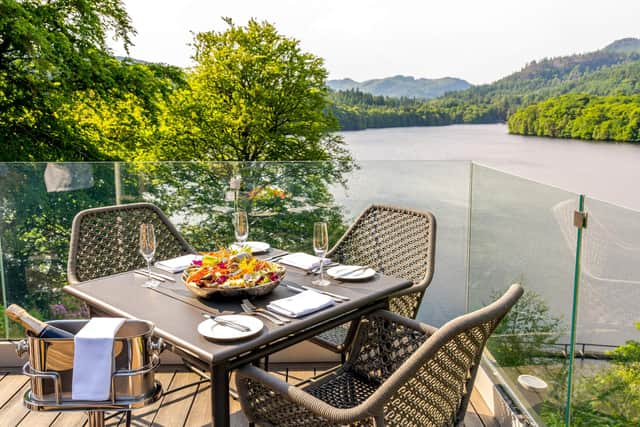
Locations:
(53, 56)
(582, 116)
(254, 95)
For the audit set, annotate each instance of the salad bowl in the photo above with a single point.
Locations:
(231, 274)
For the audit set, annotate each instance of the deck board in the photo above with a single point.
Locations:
(14, 411)
(190, 407)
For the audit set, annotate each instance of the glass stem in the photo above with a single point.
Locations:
(149, 268)
(322, 268)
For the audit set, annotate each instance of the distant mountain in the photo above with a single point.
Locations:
(403, 86)
(628, 45)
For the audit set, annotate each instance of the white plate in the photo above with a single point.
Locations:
(532, 383)
(256, 247)
(215, 331)
(340, 272)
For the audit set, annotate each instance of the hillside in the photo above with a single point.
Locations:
(601, 118)
(613, 70)
(402, 86)
(628, 45)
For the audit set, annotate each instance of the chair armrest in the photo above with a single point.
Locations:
(409, 323)
(309, 405)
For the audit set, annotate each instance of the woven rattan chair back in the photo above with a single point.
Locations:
(394, 241)
(431, 376)
(105, 240)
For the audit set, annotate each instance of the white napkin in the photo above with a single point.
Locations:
(302, 260)
(93, 358)
(301, 304)
(176, 265)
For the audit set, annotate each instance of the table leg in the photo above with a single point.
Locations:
(220, 396)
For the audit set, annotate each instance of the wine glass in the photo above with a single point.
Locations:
(148, 250)
(240, 227)
(320, 247)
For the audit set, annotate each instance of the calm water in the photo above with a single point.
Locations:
(604, 171)
(519, 229)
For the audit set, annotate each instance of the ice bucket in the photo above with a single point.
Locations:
(50, 366)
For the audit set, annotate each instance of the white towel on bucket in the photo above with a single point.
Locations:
(93, 359)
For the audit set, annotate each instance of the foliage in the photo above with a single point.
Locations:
(612, 395)
(525, 332)
(606, 118)
(52, 55)
(253, 95)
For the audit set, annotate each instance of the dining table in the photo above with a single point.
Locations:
(176, 313)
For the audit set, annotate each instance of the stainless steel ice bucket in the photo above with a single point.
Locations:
(135, 353)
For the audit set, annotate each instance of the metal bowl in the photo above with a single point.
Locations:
(255, 291)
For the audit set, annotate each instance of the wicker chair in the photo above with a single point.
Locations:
(104, 240)
(400, 373)
(394, 241)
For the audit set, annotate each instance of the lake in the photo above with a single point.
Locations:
(606, 171)
(520, 231)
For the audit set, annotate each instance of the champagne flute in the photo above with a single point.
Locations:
(148, 250)
(240, 227)
(320, 247)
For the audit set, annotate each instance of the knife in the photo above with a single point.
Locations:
(147, 275)
(334, 296)
(350, 272)
(276, 257)
(164, 276)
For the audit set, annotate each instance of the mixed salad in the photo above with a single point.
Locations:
(228, 268)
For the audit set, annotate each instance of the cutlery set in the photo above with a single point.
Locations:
(249, 308)
(227, 323)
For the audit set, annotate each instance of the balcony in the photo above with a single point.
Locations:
(582, 284)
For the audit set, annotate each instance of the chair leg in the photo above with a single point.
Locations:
(266, 363)
(343, 358)
(96, 418)
(128, 419)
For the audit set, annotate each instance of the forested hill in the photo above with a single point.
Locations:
(402, 86)
(613, 70)
(603, 118)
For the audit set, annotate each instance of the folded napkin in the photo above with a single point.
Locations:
(93, 359)
(176, 265)
(301, 304)
(302, 260)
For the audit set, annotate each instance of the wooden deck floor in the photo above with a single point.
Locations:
(188, 407)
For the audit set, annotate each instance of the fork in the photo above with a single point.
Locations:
(268, 316)
(250, 305)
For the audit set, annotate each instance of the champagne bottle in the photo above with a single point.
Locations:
(35, 326)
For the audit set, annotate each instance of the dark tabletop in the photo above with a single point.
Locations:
(177, 317)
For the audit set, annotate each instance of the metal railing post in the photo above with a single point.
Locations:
(580, 221)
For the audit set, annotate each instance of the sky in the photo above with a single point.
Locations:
(479, 41)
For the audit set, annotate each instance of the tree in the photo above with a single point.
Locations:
(254, 95)
(54, 55)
